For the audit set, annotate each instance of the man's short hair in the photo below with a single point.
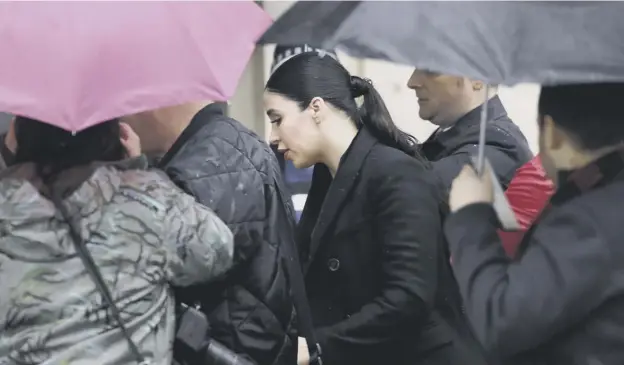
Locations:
(591, 113)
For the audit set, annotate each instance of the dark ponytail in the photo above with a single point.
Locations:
(310, 74)
(375, 115)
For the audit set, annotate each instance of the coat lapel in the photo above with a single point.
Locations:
(340, 188)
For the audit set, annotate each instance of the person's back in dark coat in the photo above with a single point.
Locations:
(377, 272)
(231, 170)
(561, 301)
(455, 104)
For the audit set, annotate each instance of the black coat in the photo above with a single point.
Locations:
(562, 301)
(378, 277)
(505, 146)
(231, 170)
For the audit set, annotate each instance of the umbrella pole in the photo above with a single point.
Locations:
(482, 127)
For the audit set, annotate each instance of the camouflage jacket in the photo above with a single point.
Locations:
(143, 233)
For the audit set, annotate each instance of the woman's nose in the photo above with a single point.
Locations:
(273, 139)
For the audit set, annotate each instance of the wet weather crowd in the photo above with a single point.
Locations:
(193, 254)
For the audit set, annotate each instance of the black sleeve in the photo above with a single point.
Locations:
(238, 199)
(517, 305)
(408, 224)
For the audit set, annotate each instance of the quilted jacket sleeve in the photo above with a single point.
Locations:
(230, 187)
(201, 245)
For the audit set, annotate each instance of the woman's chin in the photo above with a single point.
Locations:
(301, 164)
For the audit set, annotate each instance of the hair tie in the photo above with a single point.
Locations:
(360, 86)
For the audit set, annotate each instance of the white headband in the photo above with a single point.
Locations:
(289, 53)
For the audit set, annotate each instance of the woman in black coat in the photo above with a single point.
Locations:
(377, 271)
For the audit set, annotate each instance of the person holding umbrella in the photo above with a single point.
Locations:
(562, 300)
(119, 64)
(91, 242)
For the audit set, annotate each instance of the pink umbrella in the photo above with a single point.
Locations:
(74, 64)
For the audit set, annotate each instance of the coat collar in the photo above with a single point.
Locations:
(598, 173)
(204, 116)
(327, 196)
(447, 140)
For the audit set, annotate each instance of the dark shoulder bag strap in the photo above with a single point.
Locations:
(297, 284)
(96, 276)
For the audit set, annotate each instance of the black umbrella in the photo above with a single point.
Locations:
(496, 42)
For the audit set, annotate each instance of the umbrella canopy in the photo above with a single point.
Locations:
(74, 64)
(496, 42)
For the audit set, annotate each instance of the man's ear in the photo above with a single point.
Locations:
(477, 85)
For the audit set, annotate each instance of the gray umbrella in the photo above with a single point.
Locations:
(496, 42)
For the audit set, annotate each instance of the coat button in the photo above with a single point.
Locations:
(333, 264)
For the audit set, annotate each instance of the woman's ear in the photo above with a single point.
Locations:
(316, 107)
(317, 104)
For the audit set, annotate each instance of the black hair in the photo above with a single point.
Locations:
(54, 150)
(308, 75)
(591, 113)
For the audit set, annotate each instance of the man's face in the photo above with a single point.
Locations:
(441, 98)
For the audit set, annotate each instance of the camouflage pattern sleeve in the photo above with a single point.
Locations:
(201, 245)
